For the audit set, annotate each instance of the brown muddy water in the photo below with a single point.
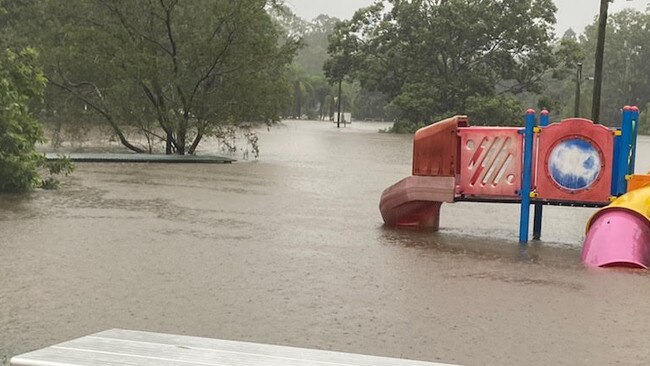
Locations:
(291, 250)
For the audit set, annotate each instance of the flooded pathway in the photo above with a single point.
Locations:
(291, 250)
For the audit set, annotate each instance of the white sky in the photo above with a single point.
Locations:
(571, 13)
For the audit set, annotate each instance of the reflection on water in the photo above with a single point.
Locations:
(291, 250)
(483, 248)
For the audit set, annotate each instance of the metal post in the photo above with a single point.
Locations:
(578, 91)
(600, 52)
(544, 120)
(537, 221)
(526, 181)
(338, 120)
(615, 191)
(624, 150)
(635, 135)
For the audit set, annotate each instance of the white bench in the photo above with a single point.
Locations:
(124, 347)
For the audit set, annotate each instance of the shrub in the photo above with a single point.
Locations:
(22, 82)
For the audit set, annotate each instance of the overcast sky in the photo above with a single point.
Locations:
(571, 13)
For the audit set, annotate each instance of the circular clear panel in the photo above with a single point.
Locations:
(574, 164)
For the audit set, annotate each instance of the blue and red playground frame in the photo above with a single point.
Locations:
(571, 163)
(624, 159)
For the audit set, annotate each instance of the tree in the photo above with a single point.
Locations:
(570, 35)
(168, 70)
(559, 83)
(429, 57)
(314, 95)
(21, 82)
(626, 72)
(312, 57)
(371, 105)
(495, 111)
(313, 35)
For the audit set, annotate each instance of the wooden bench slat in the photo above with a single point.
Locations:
(123, 347)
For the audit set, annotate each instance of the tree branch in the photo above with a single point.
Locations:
(69, 87)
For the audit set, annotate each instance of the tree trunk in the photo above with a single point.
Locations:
(168, 144)
(600, 51)
(126, 142)
(107, 116)
(298, 95)
(338, 120)
(196, 142)
(180, 143)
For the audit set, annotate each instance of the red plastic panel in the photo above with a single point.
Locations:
(574, 162)
(490, 161)
(435, 148)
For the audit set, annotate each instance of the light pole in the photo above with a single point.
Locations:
(600, 52)
(578, 92)
(338, 120)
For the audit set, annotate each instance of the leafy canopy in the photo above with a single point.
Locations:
(164, 71)
(430, 57)
(626, 74)
(21, 82)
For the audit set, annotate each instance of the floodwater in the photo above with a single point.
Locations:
(291, 250)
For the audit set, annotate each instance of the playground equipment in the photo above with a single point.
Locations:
(571, 163)
(619, 235)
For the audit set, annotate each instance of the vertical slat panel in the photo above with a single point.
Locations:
(490, 161)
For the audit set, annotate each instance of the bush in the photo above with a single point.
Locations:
(495, 111)
(482, 111)
(21, 82)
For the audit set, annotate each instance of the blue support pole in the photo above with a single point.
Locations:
(616, 153)
(635, 135)
(526, 180)
(624, 150)
(544, 120)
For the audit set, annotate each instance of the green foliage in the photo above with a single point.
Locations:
(253, 142)
(314, 95)
(312, 56)
(14, 14)
(21, 86)
(495, 111)
(429, 58)
(20, 82)
(371, 105)
(551, 104)
(163, 71)
(63, 165)
(559, 82)
(626, 76)
(404, 126)
(482, 111)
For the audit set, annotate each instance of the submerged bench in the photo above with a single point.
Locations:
(141, 158)
(124, 347)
